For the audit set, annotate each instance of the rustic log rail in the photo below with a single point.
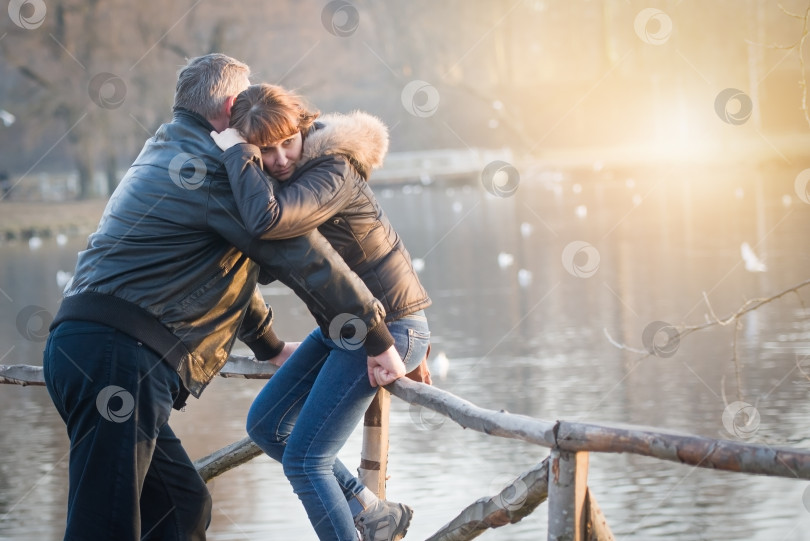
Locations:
(573, 512)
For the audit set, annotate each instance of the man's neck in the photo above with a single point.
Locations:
(219, 123)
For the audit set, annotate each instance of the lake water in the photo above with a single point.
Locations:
(524, 317)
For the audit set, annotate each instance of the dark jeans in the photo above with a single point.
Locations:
(129, 476)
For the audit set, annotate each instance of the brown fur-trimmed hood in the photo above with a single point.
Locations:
(359, 136)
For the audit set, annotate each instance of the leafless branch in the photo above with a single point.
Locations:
(788, 13)
(799, 46)
(713, 320)
(736, 359)
(799, 366)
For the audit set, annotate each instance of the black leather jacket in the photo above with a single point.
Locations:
(328, 190)
(172, 265)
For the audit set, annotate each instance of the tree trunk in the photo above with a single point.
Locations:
(111, 172)
(83, 157)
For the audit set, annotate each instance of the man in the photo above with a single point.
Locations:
(166, 284)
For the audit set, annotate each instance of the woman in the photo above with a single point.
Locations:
(308, 409)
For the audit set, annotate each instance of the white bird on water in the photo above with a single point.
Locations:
(505, 260)
(439, 365)
(752, 262)
(524, 278)
(64, 279)
(7, 118)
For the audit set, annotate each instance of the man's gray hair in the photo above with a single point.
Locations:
(205, 82)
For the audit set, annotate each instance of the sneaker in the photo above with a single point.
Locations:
(384, 521)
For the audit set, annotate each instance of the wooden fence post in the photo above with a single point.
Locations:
(567, 490)
(374, 455)
(597, 528)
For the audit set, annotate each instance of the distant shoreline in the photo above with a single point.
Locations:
(23, 220)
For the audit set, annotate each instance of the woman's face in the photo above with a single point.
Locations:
(281, 157)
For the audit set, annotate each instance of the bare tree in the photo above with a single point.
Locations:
(100, 75)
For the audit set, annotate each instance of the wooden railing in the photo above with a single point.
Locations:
(561, 478)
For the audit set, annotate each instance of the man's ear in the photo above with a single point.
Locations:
(228, 105)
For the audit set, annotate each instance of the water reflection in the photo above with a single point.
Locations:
(533, 346)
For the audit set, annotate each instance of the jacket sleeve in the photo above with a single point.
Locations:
(334, 294)
(257, 331)
(300, 206)
(309, 266)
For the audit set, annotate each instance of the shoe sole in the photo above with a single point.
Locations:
(407, 523)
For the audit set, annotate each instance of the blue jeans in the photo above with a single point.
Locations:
(307, 411)
(129, 476)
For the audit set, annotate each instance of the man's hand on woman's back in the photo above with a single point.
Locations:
(227, 138)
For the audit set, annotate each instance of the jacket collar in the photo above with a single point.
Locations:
(185, 115)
